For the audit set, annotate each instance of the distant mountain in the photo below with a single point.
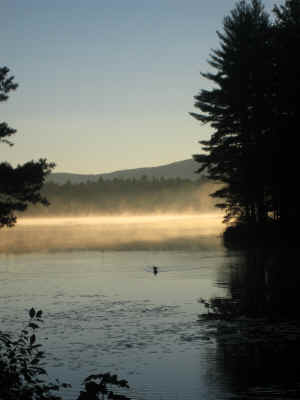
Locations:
(180, 169)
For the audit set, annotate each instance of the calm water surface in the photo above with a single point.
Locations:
(105, 310)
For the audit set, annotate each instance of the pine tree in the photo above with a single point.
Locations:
(239, 109)
(287, 39)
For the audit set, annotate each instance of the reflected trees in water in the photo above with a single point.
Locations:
(257, 326)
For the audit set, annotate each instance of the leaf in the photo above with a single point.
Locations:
(32, 339)
(37, 346)
(32, 313)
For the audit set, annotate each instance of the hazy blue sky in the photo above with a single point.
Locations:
(107, 85)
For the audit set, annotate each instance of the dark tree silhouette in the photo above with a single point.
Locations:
(19, 186)
(240, 109)
(287, 35)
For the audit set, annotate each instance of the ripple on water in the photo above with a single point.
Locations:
(134, 324)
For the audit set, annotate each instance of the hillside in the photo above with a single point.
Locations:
(181, 169)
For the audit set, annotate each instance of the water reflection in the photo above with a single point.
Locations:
(257, 355)
(265, 285)
(116, 315)
(259, 371)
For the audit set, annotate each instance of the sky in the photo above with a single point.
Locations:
(107, 85)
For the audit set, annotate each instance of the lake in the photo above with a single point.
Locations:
(106, 311)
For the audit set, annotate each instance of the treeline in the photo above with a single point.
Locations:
(117, 196)
(254, 102)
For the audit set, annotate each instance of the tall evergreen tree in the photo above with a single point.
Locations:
(287, 39)
(239, 109)
(19, 186)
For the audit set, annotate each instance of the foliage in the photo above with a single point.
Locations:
(221, 308)
(22, 185)
(6, 85)
(247, 235)
(21, 368)
(119, 196)
(252, 103)
(288, 103)
(94, 390)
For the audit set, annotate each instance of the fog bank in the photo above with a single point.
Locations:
(126, 232)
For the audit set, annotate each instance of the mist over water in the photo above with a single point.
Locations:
(126, 232)
(106, 310)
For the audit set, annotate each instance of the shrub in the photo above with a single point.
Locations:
(21, 373)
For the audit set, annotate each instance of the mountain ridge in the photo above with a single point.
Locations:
(184, 169)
